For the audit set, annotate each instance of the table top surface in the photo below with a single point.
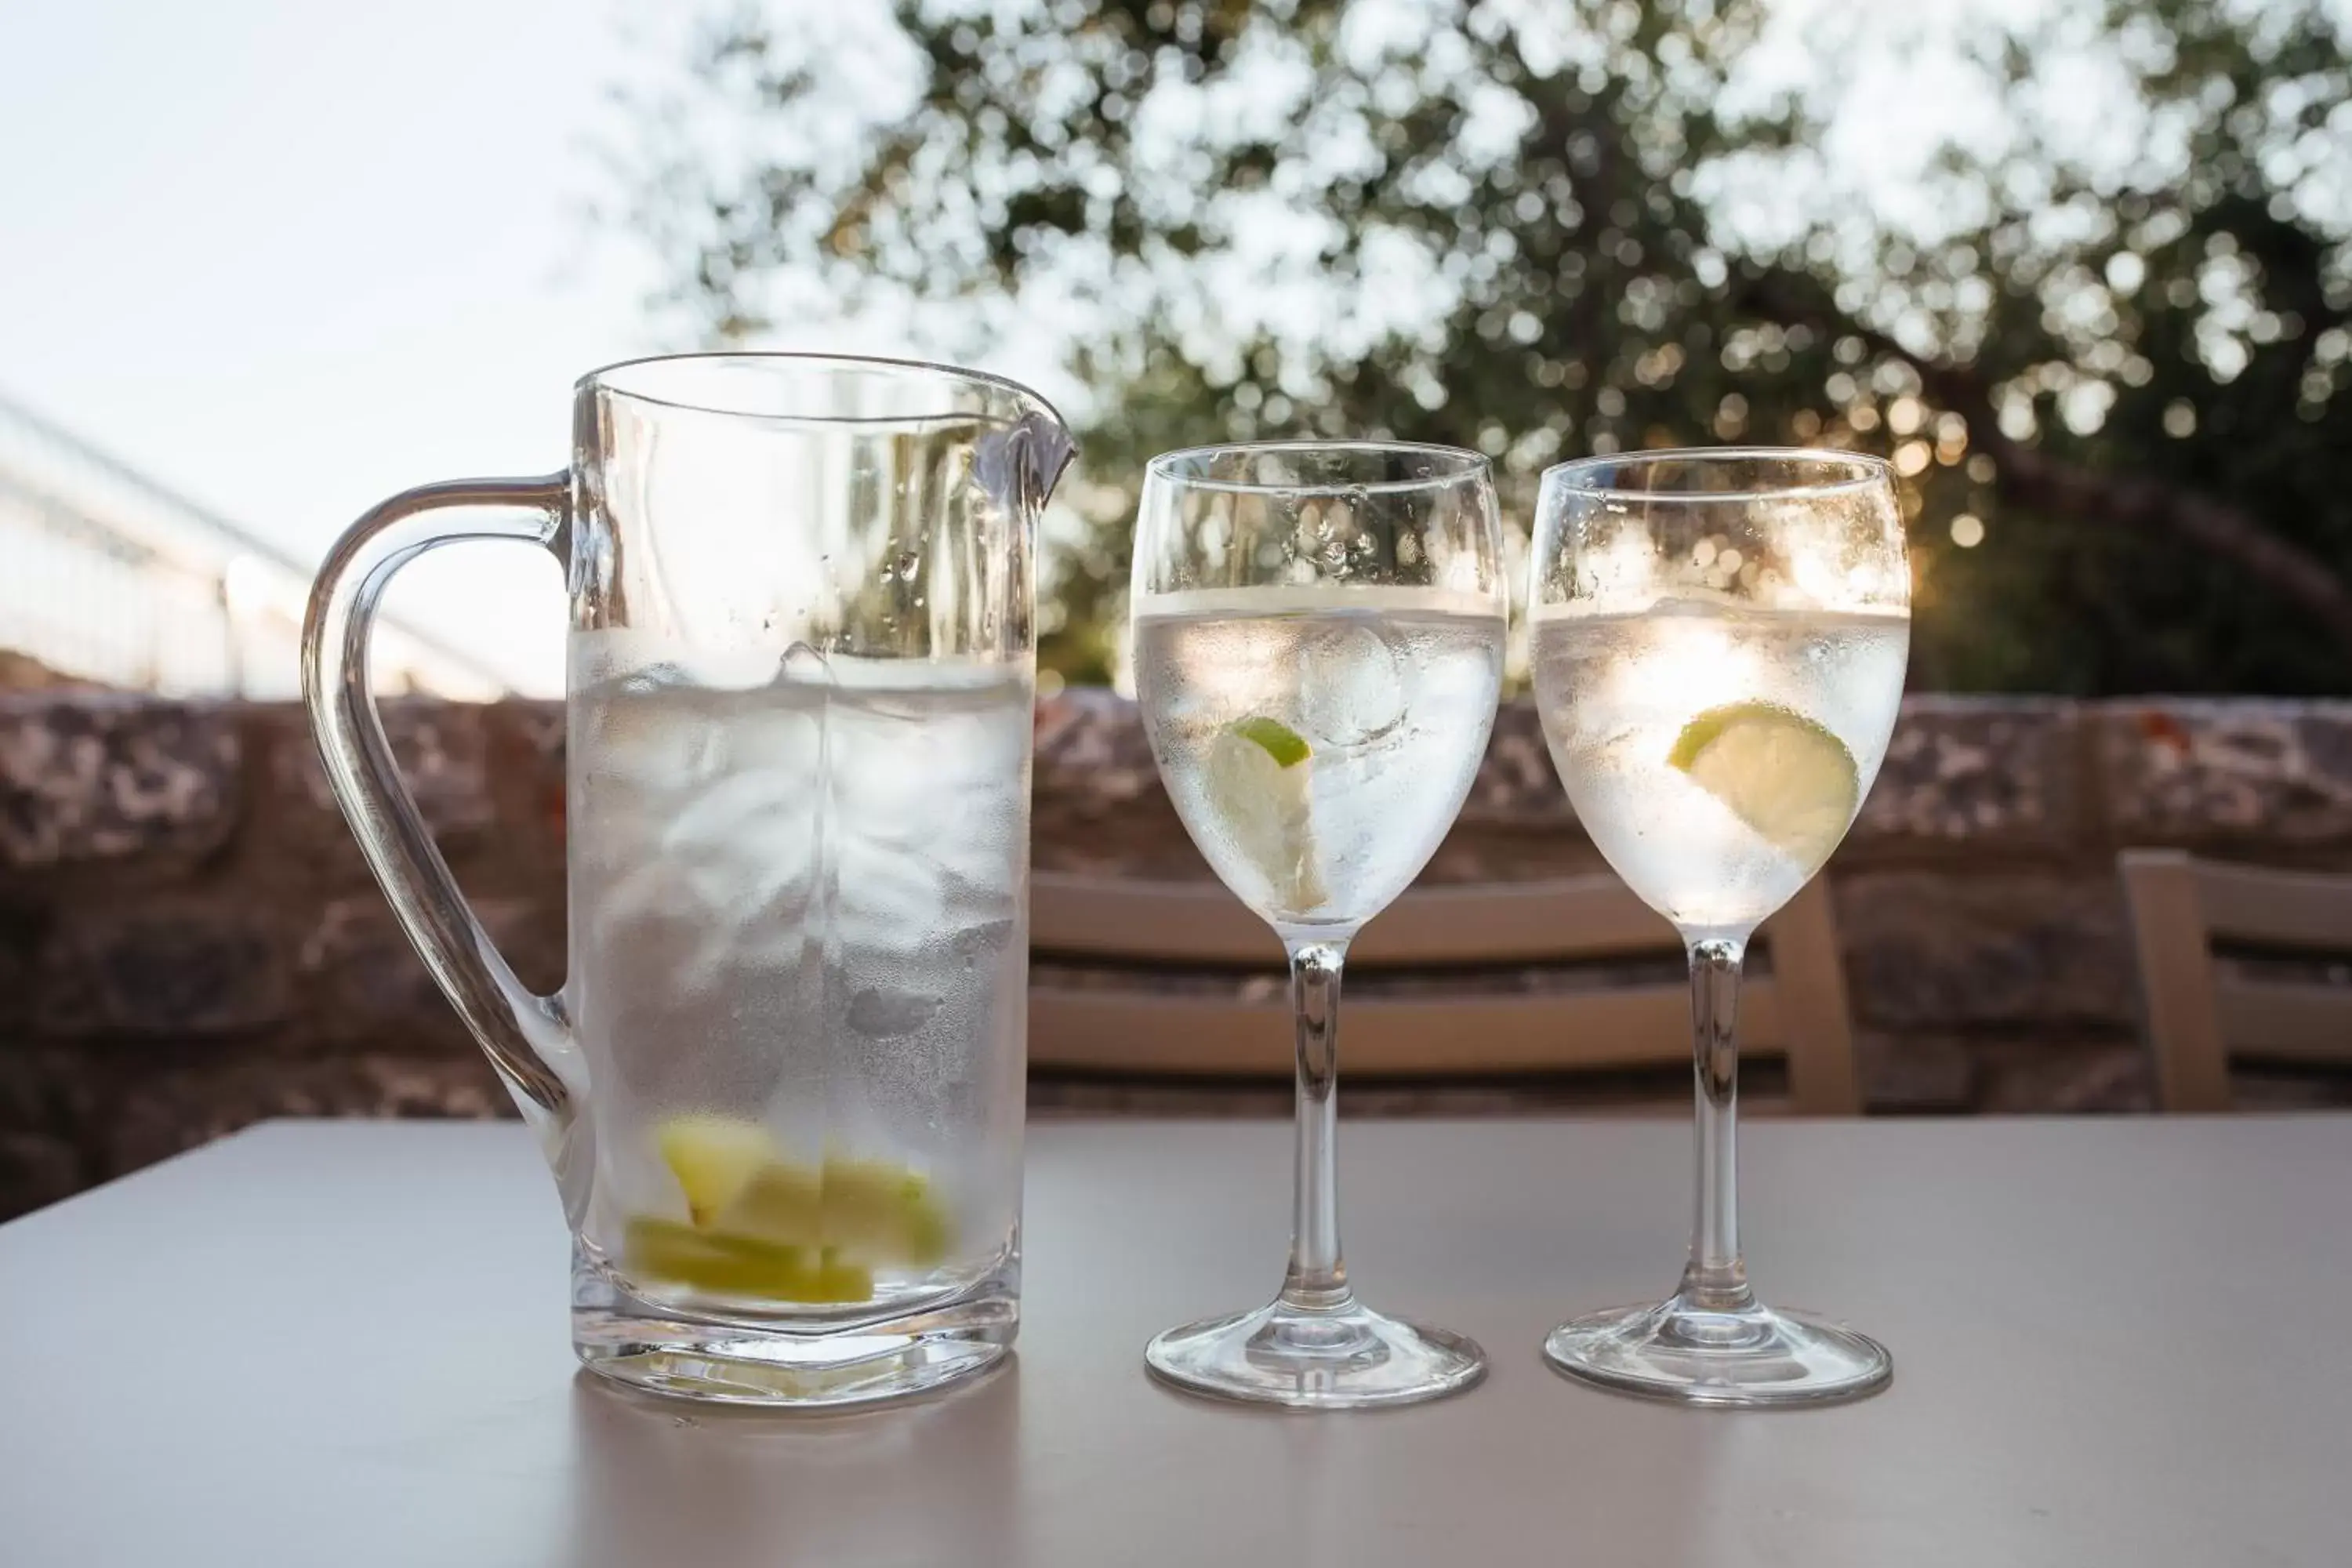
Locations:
(2116, 1341)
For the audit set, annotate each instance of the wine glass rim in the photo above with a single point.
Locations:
(604, 378)
(1465, 464)
(1868, 470)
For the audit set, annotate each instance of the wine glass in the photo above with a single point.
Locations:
(1719, 639)
(1318, 642)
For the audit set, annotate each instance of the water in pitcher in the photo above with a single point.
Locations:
(799, 966)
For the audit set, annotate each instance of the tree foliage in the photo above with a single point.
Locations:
(2103, 334)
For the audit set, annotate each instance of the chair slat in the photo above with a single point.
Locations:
(2294, 1021)
(1515, 922)
(1185, 922)
(2286, 909)
(1135, 1032)
(1200, 923)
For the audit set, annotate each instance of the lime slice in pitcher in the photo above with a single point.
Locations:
(714, 1158)
(665, 1251)
(876, 1210)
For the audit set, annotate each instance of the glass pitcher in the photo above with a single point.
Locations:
(782, 1090)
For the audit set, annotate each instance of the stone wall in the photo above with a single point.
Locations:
(189, 940)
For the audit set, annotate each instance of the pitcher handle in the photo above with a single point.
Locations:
(527, 1037)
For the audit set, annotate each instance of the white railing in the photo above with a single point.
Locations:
(106, 575)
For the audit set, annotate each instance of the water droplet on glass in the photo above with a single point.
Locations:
(803, 662)
(881, 1014)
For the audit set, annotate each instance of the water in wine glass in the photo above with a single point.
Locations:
(1317, 742)
(1716, 753)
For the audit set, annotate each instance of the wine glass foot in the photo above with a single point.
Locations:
(1752, 1356)
(1343, 1358)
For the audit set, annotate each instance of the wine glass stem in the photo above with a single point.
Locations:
(1316, 1280)
(1716, 1281)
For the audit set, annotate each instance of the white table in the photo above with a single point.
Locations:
(2116, 1343)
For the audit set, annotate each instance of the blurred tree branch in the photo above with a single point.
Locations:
(2041, 481)
(2116, 343)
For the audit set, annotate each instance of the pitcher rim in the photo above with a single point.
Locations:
(808, 357)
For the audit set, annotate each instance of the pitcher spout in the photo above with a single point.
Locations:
(1021, 464)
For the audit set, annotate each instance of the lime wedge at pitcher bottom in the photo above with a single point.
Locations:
(675, 1254)
(1783, 774)
(875, 1210)
(714, 1158)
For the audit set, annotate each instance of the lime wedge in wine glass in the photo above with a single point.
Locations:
(1784, 775)
(1259, 774)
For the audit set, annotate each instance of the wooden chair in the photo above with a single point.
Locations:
(2200, 1014)
(1233, 1017)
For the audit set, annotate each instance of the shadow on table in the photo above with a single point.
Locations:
(663, 1481)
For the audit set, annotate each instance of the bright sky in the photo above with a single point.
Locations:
(288, 257)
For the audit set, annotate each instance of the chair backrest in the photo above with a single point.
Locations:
(2200, 1014)
(1484, 952)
